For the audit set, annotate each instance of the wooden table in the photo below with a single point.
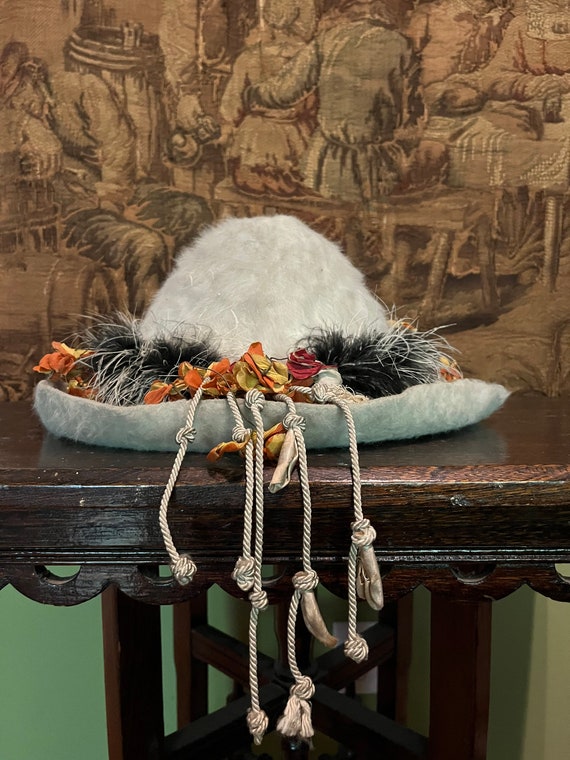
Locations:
(471, 515)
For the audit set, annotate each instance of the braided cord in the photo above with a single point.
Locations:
(361, 553)
(256, 717)
(244, 570)
(296, 718)
(182, 566)
(355, 646)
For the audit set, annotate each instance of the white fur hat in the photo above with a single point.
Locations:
(275, 281)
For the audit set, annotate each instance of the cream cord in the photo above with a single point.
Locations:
(244, 571)
(362, 564)
(182, 566)
(296, 719)
(248, 570)
(361, 558)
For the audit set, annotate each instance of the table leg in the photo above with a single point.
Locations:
(404, 629)
(191, 673)
(133, 677)
(460, 677)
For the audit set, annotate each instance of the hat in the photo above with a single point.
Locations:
(265, 340)
(274, 283)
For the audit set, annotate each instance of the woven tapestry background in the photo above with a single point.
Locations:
(431, 139)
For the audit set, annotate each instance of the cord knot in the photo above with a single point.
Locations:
(257, 722)
(244, 573)
(258, 599)
(240, 434)
(305, 580)
(292, 421)
(296, 719)
(254, 398)
(356, 648)
(321, 393)
(363, 534)
(183, 569)
(304, 688)
(185, 434)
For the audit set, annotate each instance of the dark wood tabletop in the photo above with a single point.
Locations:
(460, 505)
(471, 515)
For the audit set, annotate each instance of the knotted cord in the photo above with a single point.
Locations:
(246, 570)
(296, 718)
(182, 566)
(362, 561)
(363, 572)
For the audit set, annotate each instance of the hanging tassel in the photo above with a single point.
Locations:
(296, 721)
(355, 646)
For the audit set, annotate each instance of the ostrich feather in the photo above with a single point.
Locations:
(124, 365)
(384, 363)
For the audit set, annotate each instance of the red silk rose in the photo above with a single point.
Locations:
(302, 364)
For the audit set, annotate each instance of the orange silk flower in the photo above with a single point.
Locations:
(256, 370)
(61, 361)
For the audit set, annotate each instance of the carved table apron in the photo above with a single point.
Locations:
(471, 515)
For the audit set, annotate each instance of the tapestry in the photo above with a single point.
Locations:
(430, 139)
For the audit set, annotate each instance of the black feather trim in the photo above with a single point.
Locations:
(124, 366)
(381, 364)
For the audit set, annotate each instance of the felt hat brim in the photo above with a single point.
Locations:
(418, 411)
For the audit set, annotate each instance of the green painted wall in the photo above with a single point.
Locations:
(52, 695)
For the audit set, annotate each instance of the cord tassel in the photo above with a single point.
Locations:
(296, 721)
(257, 720)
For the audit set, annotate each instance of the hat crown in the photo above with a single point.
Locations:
(268, 279)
